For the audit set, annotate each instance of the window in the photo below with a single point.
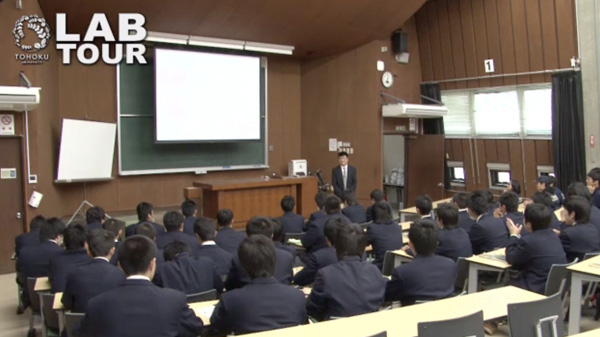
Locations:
(458, 119)
(537, 111)
(457, 173)
(499, 176)
(497, 113)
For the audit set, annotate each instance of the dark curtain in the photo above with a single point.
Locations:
(434, 126)
(568, 139)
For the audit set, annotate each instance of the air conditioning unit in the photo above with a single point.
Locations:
(401, 110)
(19, 98)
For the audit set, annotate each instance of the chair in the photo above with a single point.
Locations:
(203, 296)
(462, 275)
(558, 278)
(542, 318)
(34, 304)
(50, 315)
(71, 321)
(388, 264)
(471, 325)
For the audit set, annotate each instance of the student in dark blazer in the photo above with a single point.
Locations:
(284, 263)
(453, 241)
(146, 229)
(115, 228)
(488, 233)
(278, 237)
(580, 236)
(264, 303)
(384, 233)
(544, 199)
(376, 196)
(334, 293)
(158, 311)
(74, 256)
(343, 176)
(181, 271)
(509, 209)
(428, 276)
(593, 181)
(320, 198)
(321, 258)
(96, 277)
(424, 206)
(94, 218)
(353, 210)
(533, 254)
(492, 206)
(145, 213)
(464, 219)
(32, 238)
(173, 222)
(314, 239)
(189, 209)
(227, 237)
(290, 221)
(206, 230)
(580, 189)
(559, 194)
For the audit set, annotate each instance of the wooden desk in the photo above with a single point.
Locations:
(200, 308)
(402, 322)
(587, 270)
(413, 210)
(490, 261)
(42, 284)
(257, 196)
(589, 333)
(405, 225)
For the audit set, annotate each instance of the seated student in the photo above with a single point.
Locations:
(206, 230)
(559, 194)
(353, 210)
(146, 229)
(580, 236)
(263, 303)
(145, 213)
(384, 233)
(320, 198)
(34, 261)
(427, 276)
(336, 286)
(116, 230)
(488, 233)
(593, 181)
(94, 218)
(314, 239)
(284, 264)
(453, 241)
(490, 201)
(32, 238)
(424, 206)
(74, 256)
(464, 219)
(189, 209)
(158, 311)
(173, 222)
(509, 209)
(581, 190)
(95, 277)
(376, 196)
(514, 186)
(544, 199)
(227, 237)
(182, 271)
(320, 258)
(290, 221)
(543, 185)
(278, 237)
(535, 253)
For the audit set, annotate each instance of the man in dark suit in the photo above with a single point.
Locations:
(290, 221)
(384, 233)
(535, 253)
(314, 239)
(181, 271)
(580, 236)
(353, 210)
(95, 277)
(453, 241)
(464, 219)
(544, 199)
(173, 222)
(333, 293)
(115, 228)
(206, 230)
(376, 196)
(320, 198)
(189, 209)
(284, 262)
(593, 181)
(278, 237)
(227, 237)
(321, 258)
(158, 312)
(343, 176)
(263, 303)
(74, 256)
(32, 238)
(94, 217)
(145, 212)
(428, 276)
(488, 233)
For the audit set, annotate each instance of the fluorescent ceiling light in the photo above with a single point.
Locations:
(167, 38)
(269, 48)
(215, 43)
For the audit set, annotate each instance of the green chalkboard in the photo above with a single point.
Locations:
(140, 154)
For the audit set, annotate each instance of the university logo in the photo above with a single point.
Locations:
(25, 28)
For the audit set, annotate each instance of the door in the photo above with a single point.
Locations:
(11, 200)
(424, 167)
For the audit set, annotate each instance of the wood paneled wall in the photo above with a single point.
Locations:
(523, 156)
(456, 36)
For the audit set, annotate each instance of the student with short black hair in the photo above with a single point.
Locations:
(543, 185)
(384, 233)
(173, 222)
(453, 241)
(145, 228)
(32, 238)
(490, 201)
(376, 196)
(335, 286)
(509, 209)
(206, 231)
(158, 311)
(74, 256)
(593, 181)
(343, 176)
(227, 237)
(145, 213)
(580, 189)
(115, 228)
(580, 236)
(514, 186)
(96, 277)
(94, 217)
(320, 198)
(488, 233)
(353, 210)
(321, 258)
(424, 206)
(544, 199)
(189, 209)
(290, 221)
(464, 219)
(559, 194)
(278, 237)
(314, 239)
(427, 276)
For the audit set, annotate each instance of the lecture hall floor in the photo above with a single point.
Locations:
(13, 325)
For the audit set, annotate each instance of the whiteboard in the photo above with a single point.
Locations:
(86, 151)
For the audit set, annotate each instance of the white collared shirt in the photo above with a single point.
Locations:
(209, 243)
(479, 217)
(138, 277)
(101, 258)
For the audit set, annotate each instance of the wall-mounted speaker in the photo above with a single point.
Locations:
(399, 42)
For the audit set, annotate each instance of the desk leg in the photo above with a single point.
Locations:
(473, 278)
(575, 304)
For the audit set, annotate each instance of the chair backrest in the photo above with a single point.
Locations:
(34, 298)
(288, 236)
(542, 318)
(462, 274)
(558, 278)
(203, 296)
(471, 326)
(71, 320)
(50, 315)
(388, 264)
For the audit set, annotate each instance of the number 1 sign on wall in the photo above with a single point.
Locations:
(489, 65)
